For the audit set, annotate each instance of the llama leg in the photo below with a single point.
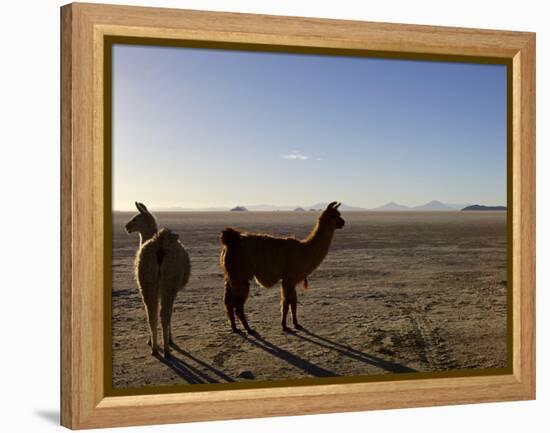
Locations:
(285, 303)
(166, 307)
(284, 312)
(229, 308)
(151, 309)
(239, 310)
(293, 300)
(238, 301)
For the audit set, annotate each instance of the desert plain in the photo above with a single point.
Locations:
(398, 292)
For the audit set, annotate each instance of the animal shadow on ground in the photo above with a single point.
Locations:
(209, 367)
(352, 353)
(191, 373)
(285, 355)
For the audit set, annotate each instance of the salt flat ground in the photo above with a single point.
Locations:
(398, 292)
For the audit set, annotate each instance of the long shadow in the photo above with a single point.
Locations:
(353, 353)
(213, 369)
(287, 356)
(185, 370)
(52, 416)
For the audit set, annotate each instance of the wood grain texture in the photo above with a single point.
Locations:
(67, 396)
(277, 30)
(84, 26)
(524, 215)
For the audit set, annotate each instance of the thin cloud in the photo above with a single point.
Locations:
(295, 155)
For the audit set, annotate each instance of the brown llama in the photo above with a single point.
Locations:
(270, 259)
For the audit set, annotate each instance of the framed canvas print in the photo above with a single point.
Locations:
(269, 216)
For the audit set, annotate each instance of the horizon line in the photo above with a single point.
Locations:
(282, 208)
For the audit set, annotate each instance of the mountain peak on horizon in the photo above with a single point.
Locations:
(391, 206)
(434, 205)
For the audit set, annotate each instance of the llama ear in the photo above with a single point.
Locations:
(331, 205)
(141, 208)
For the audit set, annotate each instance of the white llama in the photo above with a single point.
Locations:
(162, 267)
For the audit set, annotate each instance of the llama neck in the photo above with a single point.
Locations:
(317, 244)
(147, 233)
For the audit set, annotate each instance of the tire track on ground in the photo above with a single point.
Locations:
(431, 347)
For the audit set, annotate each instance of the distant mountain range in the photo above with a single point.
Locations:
(481, 207)
(432, 206)
(259, 207)
(392, 206)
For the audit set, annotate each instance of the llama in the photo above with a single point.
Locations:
(270, 259)
(162, 267)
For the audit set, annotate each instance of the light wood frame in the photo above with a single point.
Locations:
(83, 400)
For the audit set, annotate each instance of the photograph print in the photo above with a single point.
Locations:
(298, 218)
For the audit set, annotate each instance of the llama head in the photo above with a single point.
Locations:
(331, 216)
(144, 223)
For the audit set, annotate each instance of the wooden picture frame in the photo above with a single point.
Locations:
(84, 29)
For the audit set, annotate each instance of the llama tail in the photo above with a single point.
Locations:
(230, 237)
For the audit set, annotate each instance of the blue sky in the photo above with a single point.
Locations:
(201, 128)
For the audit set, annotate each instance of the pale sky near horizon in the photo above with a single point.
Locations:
(214, 128)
